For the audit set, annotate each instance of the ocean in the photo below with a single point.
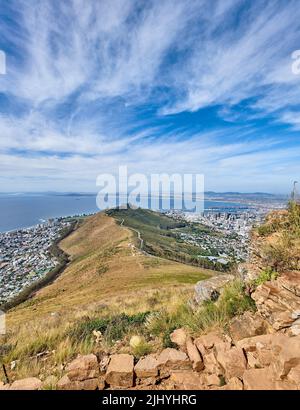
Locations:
(25, 210)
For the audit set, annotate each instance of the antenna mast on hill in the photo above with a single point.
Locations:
(294, 192)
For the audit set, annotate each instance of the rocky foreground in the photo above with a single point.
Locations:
(261, 350)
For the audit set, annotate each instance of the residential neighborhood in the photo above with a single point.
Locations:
(25, 256)
(227, 237)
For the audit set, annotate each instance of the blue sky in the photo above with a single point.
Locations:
(157, 85)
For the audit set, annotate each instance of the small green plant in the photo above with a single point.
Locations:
(141, 349)
(265, 276)
(102, 268)
(266, 229)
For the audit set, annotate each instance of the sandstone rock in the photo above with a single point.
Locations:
(210, 289)
(200, 348)
(258, 379)
(194, 355)
(148, 381)
(253, 361)
(263, 379)
(186, 380)
(120, 371)
(83, 367)
(278, 301)
(209, 379)
(232, 360)
(179, 337)
(31, 383)
(263, 350)
(288, 357)
(209, 340)
(247, 325)
(211, 365)
(250, 344)
(172, 358)
(234, 384)
(66, 384)
(91, 384)
(294, 376)
(146, 367)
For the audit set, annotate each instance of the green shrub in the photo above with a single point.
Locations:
(294, 218)
(112, 328)
(265, 276)
(233, 301)
(141, 349)
(266, 229)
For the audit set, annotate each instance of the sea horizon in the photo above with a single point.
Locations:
(22, 211)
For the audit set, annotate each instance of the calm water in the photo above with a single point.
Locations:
(21, 211)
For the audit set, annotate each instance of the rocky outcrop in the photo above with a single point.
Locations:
(247, 325)
(210, 289)
(278, 301)
(31, 383)
(120, 371)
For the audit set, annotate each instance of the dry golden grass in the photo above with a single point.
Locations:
(106, 276)
(104, 266)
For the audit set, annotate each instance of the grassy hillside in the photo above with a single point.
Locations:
(106, 278)
(161, 236)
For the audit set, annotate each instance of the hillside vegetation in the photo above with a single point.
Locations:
(161, 236)
(280, 239)
(107, 285)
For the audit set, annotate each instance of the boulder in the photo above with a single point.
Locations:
(66, 384)
(120, 371)
(247, 325)
(209, 340)
(186, 380)
(146, 367)
(209, 379)
(234, 384)
(263, 379)
(232, 360)
(83, 367)
(263, 350)
(172, 359)
(294, 376)
(211, 365)
(31, 383)
(194, 355)
(179, 337)
(258, 379)
(210, 289)
(288, 357)
(278, 301)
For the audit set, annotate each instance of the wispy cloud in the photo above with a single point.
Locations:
(160, 85)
